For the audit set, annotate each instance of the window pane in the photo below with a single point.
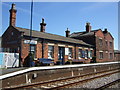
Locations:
(111, 56)
(50, 52)
(110, 44)
(83, 53)
(80, 53)
(101, 55)
(90, 54)
(86, 53)
(70, 56)
(100, 42)
(32, 48)
(106, 43)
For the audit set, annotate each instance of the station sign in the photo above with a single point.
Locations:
(30, 42)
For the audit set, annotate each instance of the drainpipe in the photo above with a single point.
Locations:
(43, 48)
(75, 51)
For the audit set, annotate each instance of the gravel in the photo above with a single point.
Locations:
(100, 82)
(115, 86)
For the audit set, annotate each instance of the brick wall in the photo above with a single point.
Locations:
(105, 48)
(11, 38)
(39, 50)
(12, 35)
(45, 50)
(55, 52)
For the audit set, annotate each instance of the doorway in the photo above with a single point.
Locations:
(61, 54)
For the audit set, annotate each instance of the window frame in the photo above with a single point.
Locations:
(79, 53)
(86, 54)
(100, 41)
(33, 50)
(90, 54)
(70, 53)
(110, 55)
(111, 44)
(101, 55)
(50, 51)
(106, 42)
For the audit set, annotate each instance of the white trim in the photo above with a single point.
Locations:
(100, 51)
(61, 45)
(86, 48)
(70, 46)
(106, 51)
(91, 48)
(90, 57)
(80, 47)
(100, 38)
(51, 44)
(79, 57)
(51, 67)
(86, 58)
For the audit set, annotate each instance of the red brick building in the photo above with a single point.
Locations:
(102, 41)
(117, 55)
(45, 45)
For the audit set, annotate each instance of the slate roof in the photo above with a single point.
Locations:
(49, 36)
(80, 34)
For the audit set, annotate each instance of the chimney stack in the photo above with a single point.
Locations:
(105, 30)
(88, 27)
(43, 24)
(12, 15)
(67, 32)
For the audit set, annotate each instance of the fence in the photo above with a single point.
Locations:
(9, 60)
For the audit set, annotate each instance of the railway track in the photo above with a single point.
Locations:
(108, 85)
(67, 82)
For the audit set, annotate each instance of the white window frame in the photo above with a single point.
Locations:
(90, 54)
(70, 53)
(86, 54)
(50, 56)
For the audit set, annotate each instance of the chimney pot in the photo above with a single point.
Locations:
(105, 30)
(13, 6)
(67, 32)
(88, 27)
(43, 24)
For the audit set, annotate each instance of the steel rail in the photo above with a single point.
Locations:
(109, 84)
(58, 80)
(81, 82)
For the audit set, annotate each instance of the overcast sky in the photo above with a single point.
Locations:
(62, 15)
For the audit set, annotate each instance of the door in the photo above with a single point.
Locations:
(61, 55)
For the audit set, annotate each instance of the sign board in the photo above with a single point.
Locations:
(66, 51)
(30, 42)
